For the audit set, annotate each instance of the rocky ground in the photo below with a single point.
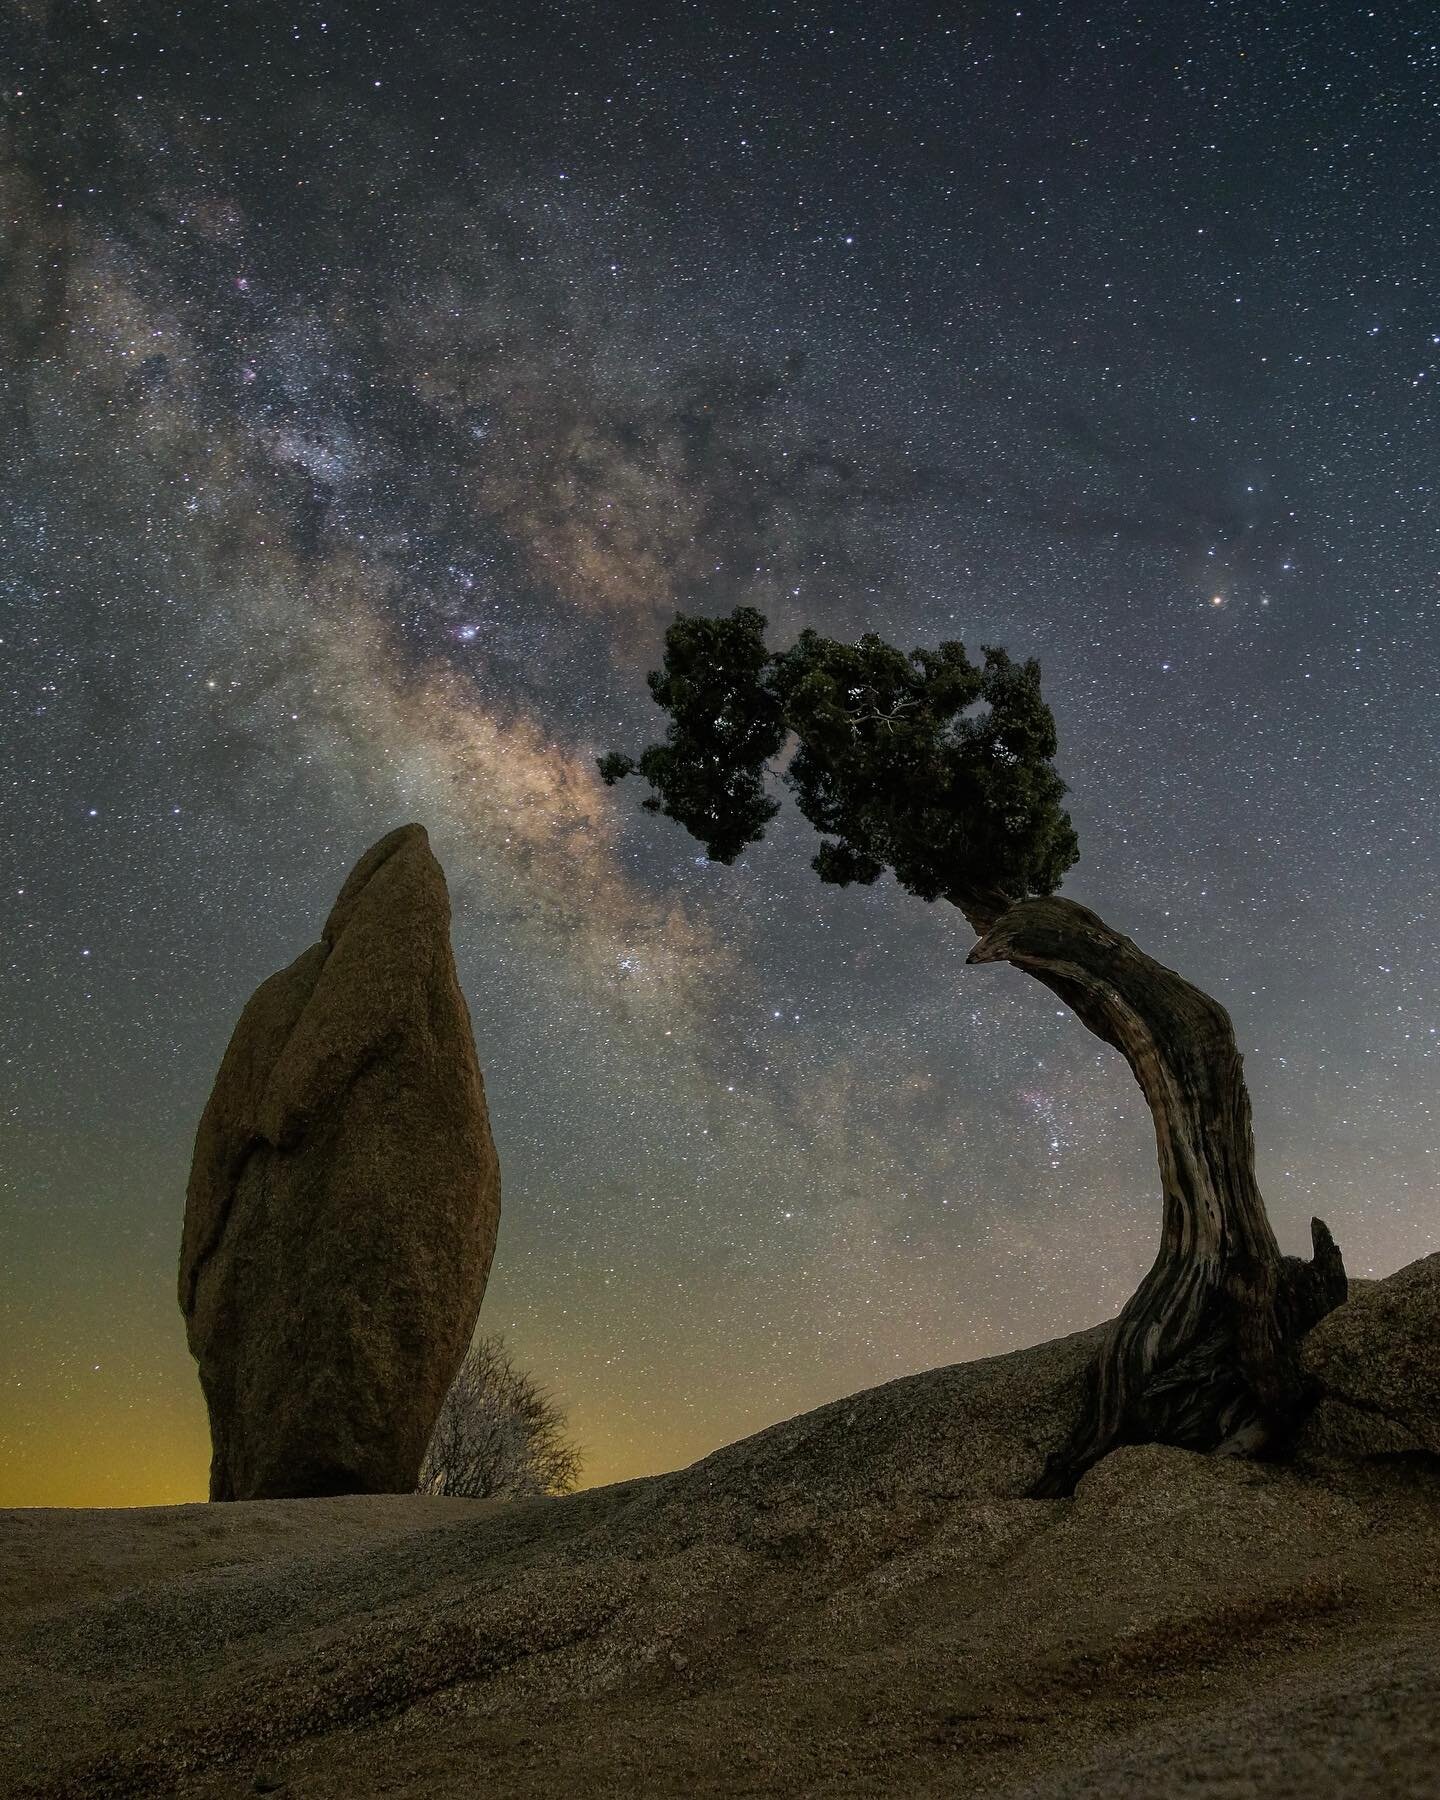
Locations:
(852, 1603)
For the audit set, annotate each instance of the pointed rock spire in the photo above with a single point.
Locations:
(343, 1199)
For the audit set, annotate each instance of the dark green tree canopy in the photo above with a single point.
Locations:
(928, 764)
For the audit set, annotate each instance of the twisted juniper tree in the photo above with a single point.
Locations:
(940, 770)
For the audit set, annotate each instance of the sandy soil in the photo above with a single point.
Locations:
(853, 1603)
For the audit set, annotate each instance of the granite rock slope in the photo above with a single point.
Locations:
(857, 1602)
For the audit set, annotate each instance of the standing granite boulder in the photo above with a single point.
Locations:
(343, 1199)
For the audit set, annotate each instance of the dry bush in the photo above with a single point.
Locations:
(498, 1433)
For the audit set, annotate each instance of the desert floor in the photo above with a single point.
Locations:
(848, 1604)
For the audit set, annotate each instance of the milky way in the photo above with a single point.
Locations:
(375, 388)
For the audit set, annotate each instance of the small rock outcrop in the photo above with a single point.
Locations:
(344, 1199)
(1377, 1363)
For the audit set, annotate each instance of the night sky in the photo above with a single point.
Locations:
(377, 383)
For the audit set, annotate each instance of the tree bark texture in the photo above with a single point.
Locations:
(1204, 1354)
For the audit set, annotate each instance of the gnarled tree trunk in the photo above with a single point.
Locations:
(1204, 1353)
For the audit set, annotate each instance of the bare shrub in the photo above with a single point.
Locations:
(498, 1433)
